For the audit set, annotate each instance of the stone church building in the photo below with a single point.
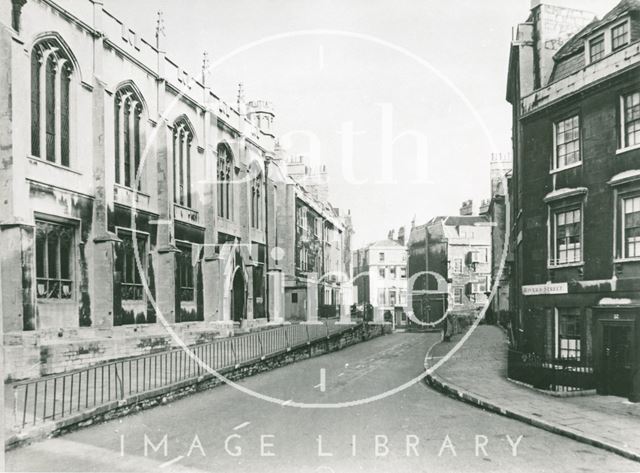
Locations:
(131, 196)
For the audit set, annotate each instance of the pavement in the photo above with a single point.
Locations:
(372, 412)
(477, 374)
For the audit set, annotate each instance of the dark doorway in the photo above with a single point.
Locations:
(238, 296)
(617, 346)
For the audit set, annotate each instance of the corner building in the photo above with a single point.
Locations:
(574, 84)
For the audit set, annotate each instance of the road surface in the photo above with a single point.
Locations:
(416, 429)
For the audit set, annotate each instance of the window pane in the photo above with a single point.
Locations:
(50, 110)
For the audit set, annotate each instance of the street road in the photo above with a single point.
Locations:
(224, 430)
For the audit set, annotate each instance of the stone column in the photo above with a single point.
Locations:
(276, 295)
(102, 265)
(165, 254)
(312, 299)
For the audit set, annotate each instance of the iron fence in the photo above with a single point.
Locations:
(552, 374)
(55, 397)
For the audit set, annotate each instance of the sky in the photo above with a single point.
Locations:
(403, 101)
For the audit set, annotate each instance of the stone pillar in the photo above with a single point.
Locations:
(164, 258)
(346, 300)
(101, 283)
(312, 299)
(276, 296)
(378, 315)
(17, 304)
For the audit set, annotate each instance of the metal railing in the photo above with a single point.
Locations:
(55, 397)
(549, 373)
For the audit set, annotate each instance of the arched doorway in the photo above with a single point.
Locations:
(238, 296)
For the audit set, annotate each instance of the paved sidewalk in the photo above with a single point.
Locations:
(477, 374)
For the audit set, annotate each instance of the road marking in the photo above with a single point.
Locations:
(323, 380)
(171, 462)
(244, 424)
(287, 402)
(341, 374)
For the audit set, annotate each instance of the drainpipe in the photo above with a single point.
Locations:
(267, 297)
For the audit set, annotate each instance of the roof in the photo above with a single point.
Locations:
(576, 43)
(460, 220)
(385, 243)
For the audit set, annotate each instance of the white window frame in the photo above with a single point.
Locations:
(601, 36)
(623, 125)
(554, 164)
(552, 234)
(623, 237)
(625, 22)
(557, 345)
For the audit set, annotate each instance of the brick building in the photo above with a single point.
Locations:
(129, 192)
(574, 84)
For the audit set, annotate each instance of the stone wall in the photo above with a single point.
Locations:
(136, 403)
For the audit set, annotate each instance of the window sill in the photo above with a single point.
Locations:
(565, 265)
(45, 300)
(55, 165)
(627, 260)
(131, 190)
(627, 149)
(564, 168)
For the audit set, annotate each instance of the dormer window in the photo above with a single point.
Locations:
(620, 36)
(596, 48)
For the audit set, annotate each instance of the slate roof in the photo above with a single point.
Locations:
(576, 43)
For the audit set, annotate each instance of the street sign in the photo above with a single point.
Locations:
(545, 289)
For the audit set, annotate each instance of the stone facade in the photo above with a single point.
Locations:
(313, 237)
(450, 265)
(132, 197)
(380, 276)
(575, 224)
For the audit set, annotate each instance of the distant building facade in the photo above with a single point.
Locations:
(450, 264)
(380, 276)
(575, 195)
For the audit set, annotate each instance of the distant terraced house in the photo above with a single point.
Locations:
(129, 192)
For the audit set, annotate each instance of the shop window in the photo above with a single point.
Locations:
(569, 333)
(54, 260)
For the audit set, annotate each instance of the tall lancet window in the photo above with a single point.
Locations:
(225, 191)
(127, 117)
(182, 142)
(256, 201)
(51, 76)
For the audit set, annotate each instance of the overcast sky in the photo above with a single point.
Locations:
(439, 67)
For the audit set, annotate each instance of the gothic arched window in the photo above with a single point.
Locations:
(128, 112)
(51, 73)
(182, 141)
(256, 200)
(225, 169)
